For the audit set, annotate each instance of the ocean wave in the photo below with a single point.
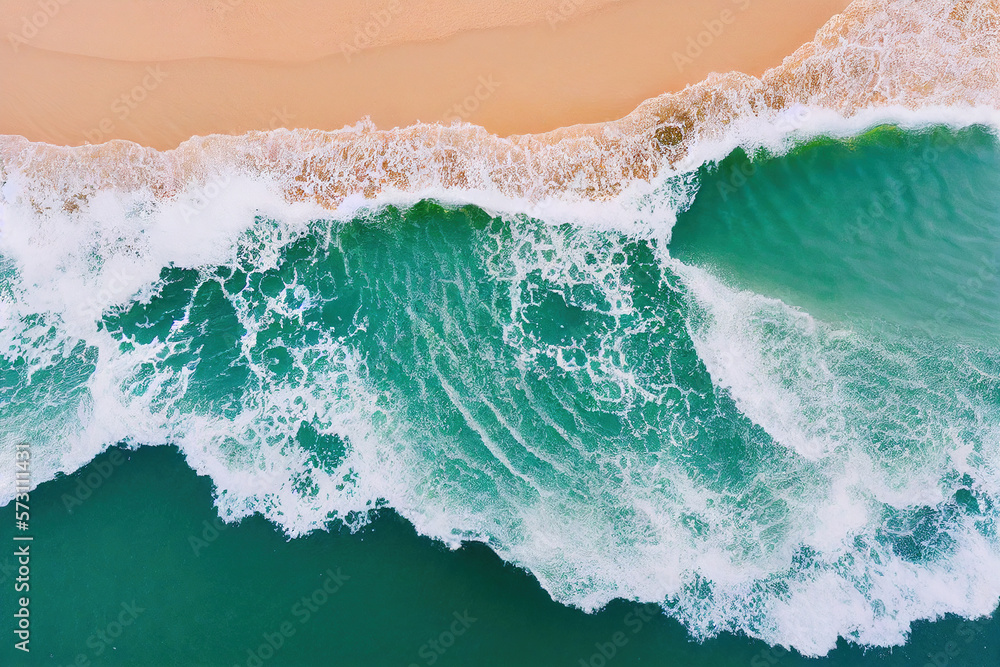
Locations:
(620, 424)
(268, 304)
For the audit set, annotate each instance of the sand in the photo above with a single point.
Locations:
(74, 72)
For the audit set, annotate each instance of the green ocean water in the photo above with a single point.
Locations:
(783, 423)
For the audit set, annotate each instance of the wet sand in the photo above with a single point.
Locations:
(73, 73)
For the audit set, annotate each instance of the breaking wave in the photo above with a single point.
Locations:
(521, 361)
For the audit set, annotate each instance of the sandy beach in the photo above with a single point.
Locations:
(73, 73)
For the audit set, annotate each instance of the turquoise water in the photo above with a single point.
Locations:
(781, 423)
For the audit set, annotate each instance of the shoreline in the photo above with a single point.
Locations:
(526, 68)
(940, 56)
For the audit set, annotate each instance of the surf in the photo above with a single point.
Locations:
(504, 341)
